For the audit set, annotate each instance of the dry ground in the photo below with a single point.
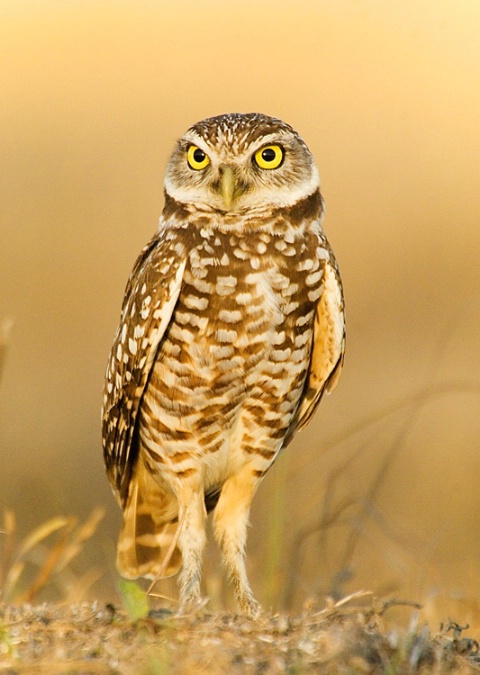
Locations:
(346, 637)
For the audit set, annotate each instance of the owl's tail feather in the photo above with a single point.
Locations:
(147, 541)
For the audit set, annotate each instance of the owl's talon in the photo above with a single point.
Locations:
(251, 608)
(192, 605)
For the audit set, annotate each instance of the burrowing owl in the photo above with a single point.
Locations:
(231, 330)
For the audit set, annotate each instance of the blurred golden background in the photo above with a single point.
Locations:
(381, 492)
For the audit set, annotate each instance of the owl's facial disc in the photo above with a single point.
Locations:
(238, 163)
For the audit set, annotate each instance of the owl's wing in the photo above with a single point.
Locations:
(150, 298)
(328, 348)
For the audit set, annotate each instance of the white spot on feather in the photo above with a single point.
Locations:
(244, 298)
(194, 302)
(305, 265)
(314, 277)
(315, 294)
(223, 335)
(230, 316)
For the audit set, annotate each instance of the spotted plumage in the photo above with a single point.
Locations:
(232, 328)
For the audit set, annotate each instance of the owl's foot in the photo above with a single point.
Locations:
(249, 605)
(192, 604)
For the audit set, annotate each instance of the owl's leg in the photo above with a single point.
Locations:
(191, 542)
(230, 526)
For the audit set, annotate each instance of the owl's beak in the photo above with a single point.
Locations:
(229, 186)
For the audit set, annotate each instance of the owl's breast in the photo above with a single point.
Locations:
(227, 323)
(245, 311)
(231, 368)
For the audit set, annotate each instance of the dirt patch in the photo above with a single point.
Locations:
(90, 638)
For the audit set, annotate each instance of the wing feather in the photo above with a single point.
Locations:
(328, 347)
(150, 298)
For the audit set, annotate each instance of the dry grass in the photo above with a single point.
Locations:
(344, 637)
(44, 557)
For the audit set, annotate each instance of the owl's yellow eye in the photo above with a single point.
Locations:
(269, 157)
(196, 158)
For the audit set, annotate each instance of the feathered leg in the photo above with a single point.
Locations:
(230, 526)
(191, 542)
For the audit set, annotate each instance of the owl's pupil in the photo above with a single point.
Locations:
(268, 155)
(198, 155)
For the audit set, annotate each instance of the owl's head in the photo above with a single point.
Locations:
(238, 162)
